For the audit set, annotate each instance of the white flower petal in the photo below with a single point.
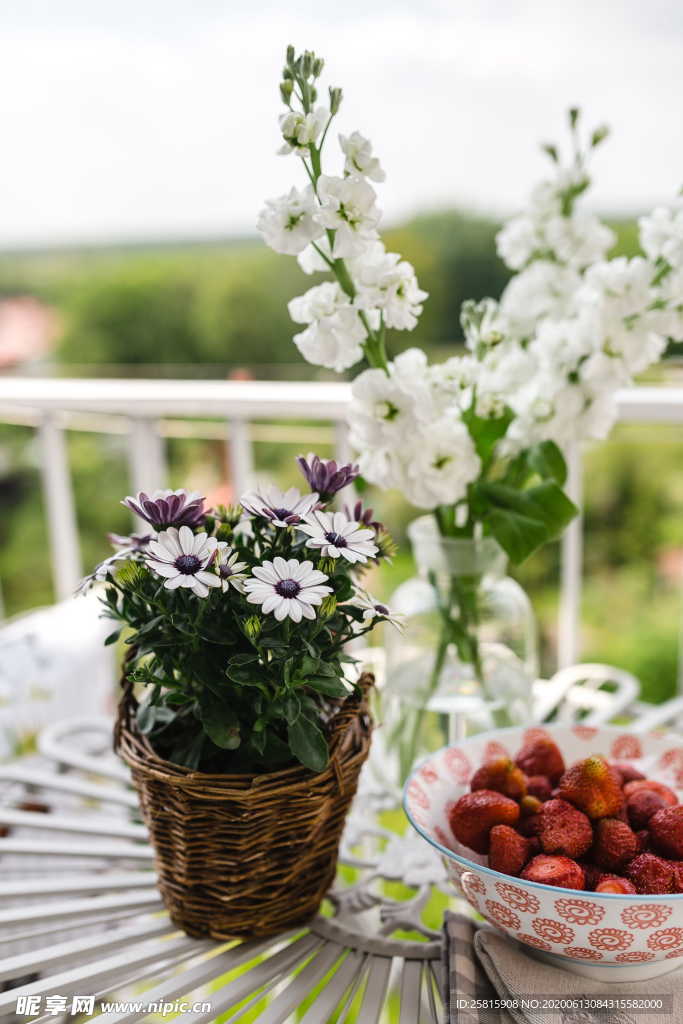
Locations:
(186, 540)
(271, 602)
(281, 567)
(173, 584)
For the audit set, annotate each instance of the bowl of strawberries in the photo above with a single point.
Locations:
(568, 838)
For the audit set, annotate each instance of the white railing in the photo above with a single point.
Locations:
(149, 411)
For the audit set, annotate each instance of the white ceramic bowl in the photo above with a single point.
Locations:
(604, 936)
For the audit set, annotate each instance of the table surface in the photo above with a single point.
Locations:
(80, 914)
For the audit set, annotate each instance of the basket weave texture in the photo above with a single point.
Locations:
(246, 855)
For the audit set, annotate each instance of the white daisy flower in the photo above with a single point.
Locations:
(287, 588)
(337, 536)
(373, 610)
(283, 508)
(231, 572)
(183, 558)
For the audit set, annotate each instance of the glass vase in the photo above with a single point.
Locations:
(467, 658)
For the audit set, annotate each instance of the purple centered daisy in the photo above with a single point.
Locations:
(168, 508)
(283, 508)
(325, 476)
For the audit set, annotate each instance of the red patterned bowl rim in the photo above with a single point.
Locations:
(482, 868)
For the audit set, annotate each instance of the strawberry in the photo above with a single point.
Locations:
(502, 776)
(593, 874)
(560, 871)
(529, 825)
(641, 805)
(474, 815)
(667, 795)
(508, 851)
(627, 771)
(614, 883)
(666, 832)
(541, 756)
(564, 830)
(614, 845)
(593, 787)
(643, 837)
(539, 786)
(651, 874)
(529, 805)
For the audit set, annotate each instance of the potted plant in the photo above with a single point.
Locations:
(243, 720)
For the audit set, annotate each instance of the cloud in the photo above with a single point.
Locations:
(159, 119)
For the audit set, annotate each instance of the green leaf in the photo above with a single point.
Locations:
(330, 687)
(112, 638)
(486, 432)
(219, 721)
(150, 717)
(555, 508)
(518, 535)
(547, 460)
(308, 744)
(292, 708)
(522, 521)
(246, 675)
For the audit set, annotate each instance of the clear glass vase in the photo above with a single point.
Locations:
(467, 658)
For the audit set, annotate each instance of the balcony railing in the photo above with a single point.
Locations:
(150, 411)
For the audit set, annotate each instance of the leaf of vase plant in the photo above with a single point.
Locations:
(547, 460)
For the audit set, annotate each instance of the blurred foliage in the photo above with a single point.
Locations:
(212, 309)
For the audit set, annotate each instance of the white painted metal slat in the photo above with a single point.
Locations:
(411, 981)
(67, 784)
(275, 967)
(107, 851)
(102, 974)
(84, 825)
(146, 455)
(61, 885)
(77, 950)
(336, 988)
(298, 988)
(75, 908)
(177, 985)
(56, 743)
(375, 989)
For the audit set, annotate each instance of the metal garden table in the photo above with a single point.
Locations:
(81, 922)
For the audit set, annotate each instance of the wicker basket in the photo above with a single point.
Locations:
(246, 855)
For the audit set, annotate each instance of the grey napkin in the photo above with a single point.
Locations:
(499, 964)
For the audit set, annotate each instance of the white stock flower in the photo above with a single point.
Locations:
(347, 208)
(320, 301)
(183, 559)
(578, 240)
(661, 233)
(440, 464)
(337, 536)
(287, 588)
(299, 130)
(335, 341)
(387, 282)
(287, 223)
(517, 242)
(310, 259)
(543, 289)
(359, 159)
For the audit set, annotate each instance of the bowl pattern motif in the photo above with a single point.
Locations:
(581, 928)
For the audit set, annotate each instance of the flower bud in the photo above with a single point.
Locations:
(252, 627)
(335, 99)
(307, 63)
(318, 66)
(290, 54)
(286, 89)
(327, 565)
(328, 606)
(209, 523)
(224, 532)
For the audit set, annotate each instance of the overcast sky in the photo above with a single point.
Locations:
(127, 119)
